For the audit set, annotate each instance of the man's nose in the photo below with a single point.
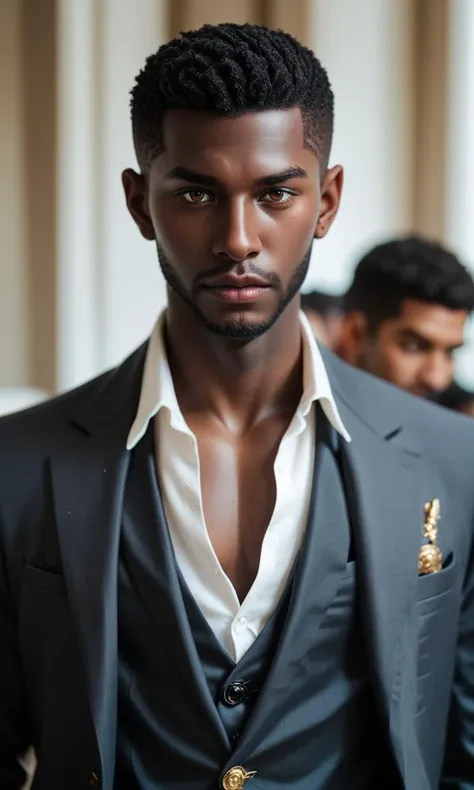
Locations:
(437, 372)
(237, 235)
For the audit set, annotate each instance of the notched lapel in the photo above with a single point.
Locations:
(88, 485)
(388, 483)
(387, 488)
(317, 577)
(88, 482)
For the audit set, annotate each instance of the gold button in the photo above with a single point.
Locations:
(236, 777)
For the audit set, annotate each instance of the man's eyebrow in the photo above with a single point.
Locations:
(193, 177)
(184, 174)
(280, 178)
(413, 333)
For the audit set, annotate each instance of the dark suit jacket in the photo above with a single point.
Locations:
(62, 472)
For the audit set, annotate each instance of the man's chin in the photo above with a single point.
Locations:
(237, 329)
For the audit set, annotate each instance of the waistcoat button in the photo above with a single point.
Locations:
(93, 779)
(234, 693)
(236, 777)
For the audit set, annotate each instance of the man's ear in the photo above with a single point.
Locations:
(331, 192)
(352, 336)
(136, 196)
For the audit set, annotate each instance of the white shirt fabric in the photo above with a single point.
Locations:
(236, 625)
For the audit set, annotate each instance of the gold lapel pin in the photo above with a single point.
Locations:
(430, 558)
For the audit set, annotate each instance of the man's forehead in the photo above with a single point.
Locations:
(416, 310)
(434, 322)
(251, 145)
(201, 130)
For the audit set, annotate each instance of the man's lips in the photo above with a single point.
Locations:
(234, 289)
(236, 281)
(237, 289)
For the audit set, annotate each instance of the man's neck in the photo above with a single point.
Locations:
(237, 383)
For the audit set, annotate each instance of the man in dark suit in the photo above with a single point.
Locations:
(222, 563)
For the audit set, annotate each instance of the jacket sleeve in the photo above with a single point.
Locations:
(14, 726)
(458, 771)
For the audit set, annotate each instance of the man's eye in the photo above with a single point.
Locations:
(195, 196)
(413, 346)
(278, 195)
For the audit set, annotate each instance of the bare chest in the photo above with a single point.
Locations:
(239, 493)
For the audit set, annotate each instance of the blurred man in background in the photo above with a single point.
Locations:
(324, 312)
(405, 314)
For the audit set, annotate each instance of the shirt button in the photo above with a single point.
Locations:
(93, 779)
(240, 625)
(234, 693)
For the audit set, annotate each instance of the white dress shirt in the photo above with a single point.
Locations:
(236, 625)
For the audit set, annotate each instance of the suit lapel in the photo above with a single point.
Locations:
(387, 484)
(316, 579)
(88, 478)
(151, 561)
(384, 487)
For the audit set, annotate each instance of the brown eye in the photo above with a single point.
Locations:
(195, 196)
(278, 195)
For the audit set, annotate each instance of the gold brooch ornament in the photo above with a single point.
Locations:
(430, 558)
(236, 777)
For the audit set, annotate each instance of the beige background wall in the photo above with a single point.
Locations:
(78, 288)
(14, 314)
(27, 195)
(39, 220)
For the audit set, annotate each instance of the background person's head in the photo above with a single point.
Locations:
(232, 127)
(457, 398)
(324, 312)
(405, 314)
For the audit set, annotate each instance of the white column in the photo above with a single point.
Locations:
(459, 207)
(460, 160)
(366, 48)
(132, 289)
(109, 286)
(79, 345)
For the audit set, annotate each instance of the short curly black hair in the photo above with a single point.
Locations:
(408, 268)
(232, 69)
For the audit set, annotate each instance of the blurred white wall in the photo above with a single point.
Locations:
(459, 197)
(366, 48)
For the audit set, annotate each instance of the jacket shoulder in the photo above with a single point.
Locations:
(376, 400)
(45, 417)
